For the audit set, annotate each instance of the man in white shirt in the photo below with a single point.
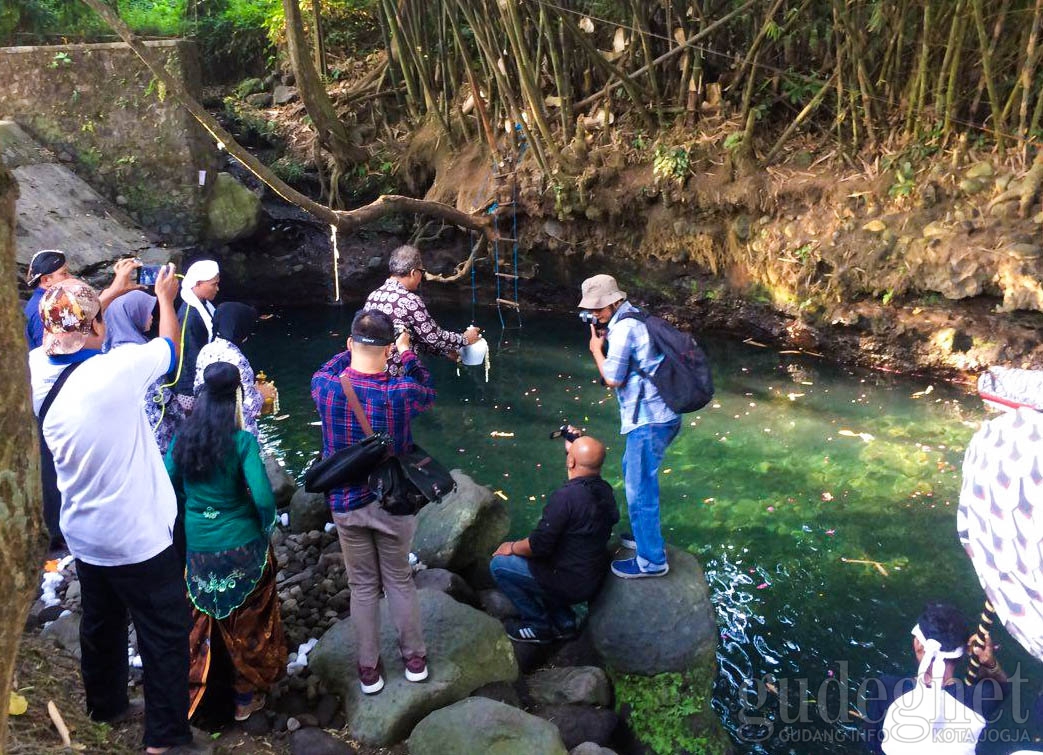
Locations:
(118, 506)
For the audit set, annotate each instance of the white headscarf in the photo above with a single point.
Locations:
(203, 270)
(933, 656)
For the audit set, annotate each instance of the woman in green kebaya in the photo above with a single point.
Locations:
(229, 514)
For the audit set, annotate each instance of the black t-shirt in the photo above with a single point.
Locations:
(569, 554)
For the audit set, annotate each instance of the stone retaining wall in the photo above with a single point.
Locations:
(100, 110)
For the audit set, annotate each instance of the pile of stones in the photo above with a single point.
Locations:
(483, 688)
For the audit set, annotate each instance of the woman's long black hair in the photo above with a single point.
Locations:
(204, 439)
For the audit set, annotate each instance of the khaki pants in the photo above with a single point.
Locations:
(375, 546)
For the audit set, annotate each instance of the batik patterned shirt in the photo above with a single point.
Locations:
(389, 404)
(408, 309)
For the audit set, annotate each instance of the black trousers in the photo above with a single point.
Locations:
(52, 497)
(153, 592)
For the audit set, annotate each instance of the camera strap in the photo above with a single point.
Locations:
(356, 406)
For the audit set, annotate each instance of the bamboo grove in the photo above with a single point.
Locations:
(860, 73)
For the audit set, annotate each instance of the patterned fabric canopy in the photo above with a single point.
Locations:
(1000, 516)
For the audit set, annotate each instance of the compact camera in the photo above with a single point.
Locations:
(589, 318)
(566, 433)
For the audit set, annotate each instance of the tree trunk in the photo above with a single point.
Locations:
(333, 135)
(21, 544)
(320, 40)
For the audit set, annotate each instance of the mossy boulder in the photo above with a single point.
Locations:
(479, 726)
(250, 86)
(649, 626)
(463, 529)
(232, 212)
(466, 649)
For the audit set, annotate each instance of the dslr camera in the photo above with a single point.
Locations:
(566, 433)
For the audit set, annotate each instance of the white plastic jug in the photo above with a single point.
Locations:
(474, 354)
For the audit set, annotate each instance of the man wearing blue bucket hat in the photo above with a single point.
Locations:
(648, 424)
(398, 297)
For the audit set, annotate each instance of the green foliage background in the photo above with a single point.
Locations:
(237, 37)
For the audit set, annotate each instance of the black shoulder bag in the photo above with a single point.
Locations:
(52, 497)
(352, 465)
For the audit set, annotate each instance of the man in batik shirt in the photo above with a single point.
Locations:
(398, 297)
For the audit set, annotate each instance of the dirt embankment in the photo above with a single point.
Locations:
(936, 269)
(922, 260)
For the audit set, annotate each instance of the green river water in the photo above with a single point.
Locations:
(797, 473)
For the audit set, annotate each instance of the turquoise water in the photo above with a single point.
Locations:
(821, 501)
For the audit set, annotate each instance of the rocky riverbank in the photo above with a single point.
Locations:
(483, 688)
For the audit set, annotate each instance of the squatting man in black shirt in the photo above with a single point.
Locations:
(565, 558)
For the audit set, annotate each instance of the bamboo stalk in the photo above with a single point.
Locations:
(560, 81)
(640, 27)
(955, 26)
(997, 30)
(525, 67)
(752, 50)
(1028, 71)
(952, 87)
(986, 72)
(801, 117)
(610, 71)
(702, 34)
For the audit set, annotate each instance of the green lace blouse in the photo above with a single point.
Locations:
(232, 508)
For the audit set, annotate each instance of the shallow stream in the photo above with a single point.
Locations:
(820, 501)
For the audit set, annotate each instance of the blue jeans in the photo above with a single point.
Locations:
(645, 447)
(515, 580)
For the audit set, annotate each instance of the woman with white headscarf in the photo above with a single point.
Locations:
(198, 291)
(128, 320)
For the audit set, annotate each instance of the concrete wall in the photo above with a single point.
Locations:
(101, 111)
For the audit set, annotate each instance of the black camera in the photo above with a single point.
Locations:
(566, 433)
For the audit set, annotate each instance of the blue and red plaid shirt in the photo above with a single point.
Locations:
(388, 402)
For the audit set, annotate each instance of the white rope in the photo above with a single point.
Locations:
(336, 263)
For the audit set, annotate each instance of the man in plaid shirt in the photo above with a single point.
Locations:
(374, 543)
(398, 297)
(647, 423)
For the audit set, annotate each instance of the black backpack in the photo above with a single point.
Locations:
(683, 378)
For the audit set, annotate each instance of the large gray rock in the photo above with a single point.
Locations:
(591, 748)
(308, 511)
(446, 581)
(65, 633)
(18, 148)
(479, 726)
(314, 741)
(232, 211)
(584, 685)
(581, 723)
(649, 626)
(282, 484)
(284, 94)
(465, 648)
(58, 210)
(465, 527)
